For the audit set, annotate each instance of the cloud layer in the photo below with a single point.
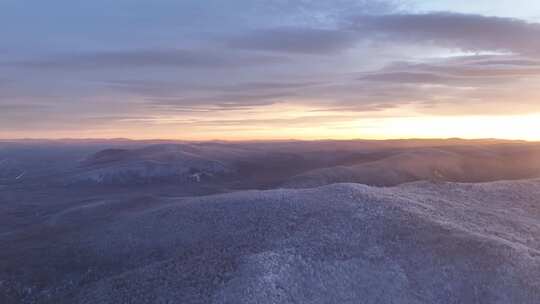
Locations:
(258, 62)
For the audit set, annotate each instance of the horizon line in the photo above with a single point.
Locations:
(266, 140)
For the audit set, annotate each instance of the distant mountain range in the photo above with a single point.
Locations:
(298, 164)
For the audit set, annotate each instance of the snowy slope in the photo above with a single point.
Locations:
(470, 164)
(345, 243)
(177, 163)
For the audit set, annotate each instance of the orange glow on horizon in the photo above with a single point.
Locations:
(515, 127)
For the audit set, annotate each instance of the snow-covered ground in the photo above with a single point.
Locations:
(423, 242)
(451, 221)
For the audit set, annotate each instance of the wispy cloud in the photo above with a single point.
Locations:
(173, 58)
(296, 40)
(451, 30)
(459, 71)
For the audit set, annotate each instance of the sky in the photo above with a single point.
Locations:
(274, 69)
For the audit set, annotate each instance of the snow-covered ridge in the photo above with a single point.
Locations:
(473, 164)
(177, 163)
(421, 242)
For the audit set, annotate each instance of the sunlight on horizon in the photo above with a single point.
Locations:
(511, 127)
(520, 127)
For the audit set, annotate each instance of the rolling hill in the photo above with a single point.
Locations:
(416, 243)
